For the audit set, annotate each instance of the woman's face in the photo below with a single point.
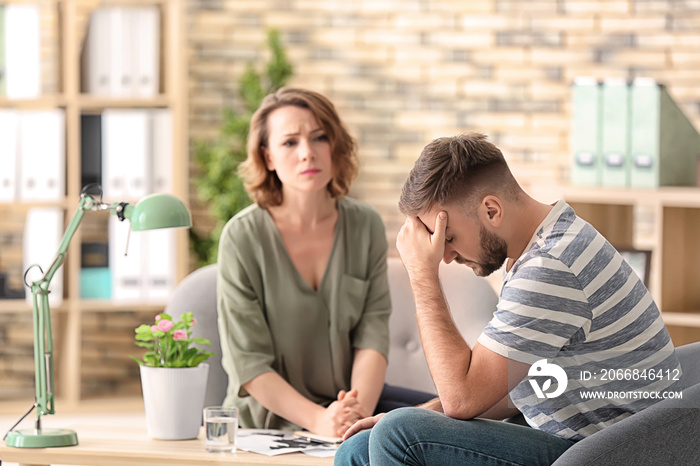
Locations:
(298, 150)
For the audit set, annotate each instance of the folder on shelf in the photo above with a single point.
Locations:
(122, 52)
(159, 280)
(145, 29)
(126, 264)
(96, 283)
(22, 51)
(126, 154)
(614, 133)
(96, 72)
(8, 155)
(90, 149)
(585, 142)
(664, 144)
(2, 50)
(42, 235)
(95, 274)
(43, 155)
(162, 150)
(119, 40)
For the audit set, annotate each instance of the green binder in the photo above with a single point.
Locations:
(3, 71)
(614, 134)
(664, 144)
(585, 131)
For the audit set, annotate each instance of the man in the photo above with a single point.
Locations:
(572, 318)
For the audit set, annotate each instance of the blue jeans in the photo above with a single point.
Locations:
(417, 436)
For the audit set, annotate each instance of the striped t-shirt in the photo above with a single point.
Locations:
(571, 300)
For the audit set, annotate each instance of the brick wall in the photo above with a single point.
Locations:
(403, 72)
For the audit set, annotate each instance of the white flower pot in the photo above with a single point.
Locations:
(173, 399)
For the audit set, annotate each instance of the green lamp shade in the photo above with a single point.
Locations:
(159, 211)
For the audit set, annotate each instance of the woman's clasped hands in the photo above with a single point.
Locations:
(341, 414)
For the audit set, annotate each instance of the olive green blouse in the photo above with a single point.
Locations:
(270, 319)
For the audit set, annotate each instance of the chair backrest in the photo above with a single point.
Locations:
(689, 357)
(197, 294)
(472, 302)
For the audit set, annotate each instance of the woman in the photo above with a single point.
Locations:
(303, 296)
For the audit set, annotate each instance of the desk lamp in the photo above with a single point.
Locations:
(151, 212)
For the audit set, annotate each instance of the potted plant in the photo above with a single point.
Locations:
(173, 377)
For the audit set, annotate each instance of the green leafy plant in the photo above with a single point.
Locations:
(218, 184)
(169, 343)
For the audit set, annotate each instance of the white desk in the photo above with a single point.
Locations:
(121, 439)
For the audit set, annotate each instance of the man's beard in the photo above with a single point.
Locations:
(494, 253)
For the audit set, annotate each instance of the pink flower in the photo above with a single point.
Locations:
(194, 321)
(158, 317)
(165, 325)
(153, 328)
(179, 335)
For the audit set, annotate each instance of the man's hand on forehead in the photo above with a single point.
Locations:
(426, 226)
(421, 252)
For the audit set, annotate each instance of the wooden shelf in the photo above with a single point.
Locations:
(105, 305)
(682, 319)
(43, 102)
(19, 306)
(673, 226)
(25, 206)
(668, 196)
(82, 325)
(88, 102)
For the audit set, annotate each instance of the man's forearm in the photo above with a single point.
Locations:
(446, 352)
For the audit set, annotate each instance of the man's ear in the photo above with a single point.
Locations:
(492, 210)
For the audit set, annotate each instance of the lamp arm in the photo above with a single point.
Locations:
(43, 341)
(86, 203)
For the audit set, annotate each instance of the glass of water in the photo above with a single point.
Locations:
(221, 427)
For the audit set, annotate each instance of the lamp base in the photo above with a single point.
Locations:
(41, 438)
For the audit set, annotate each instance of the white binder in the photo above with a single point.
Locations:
(42, 235)
(162, 151)
(159, 280)
(22, 51)
(126, 163)
(127, 270)
(144, 50)
(8, 155)
(97, 74)
(42, 152)
(119, 40)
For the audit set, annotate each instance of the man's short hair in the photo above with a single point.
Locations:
(460, 169)
(263, 185)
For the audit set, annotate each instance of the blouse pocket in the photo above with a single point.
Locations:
(351, 301)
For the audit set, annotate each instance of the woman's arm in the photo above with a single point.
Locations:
(368, 372)
(278, 396)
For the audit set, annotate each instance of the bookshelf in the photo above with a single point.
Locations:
(672, 229)
(93, 338)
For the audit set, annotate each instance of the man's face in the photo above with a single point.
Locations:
(468, 241)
